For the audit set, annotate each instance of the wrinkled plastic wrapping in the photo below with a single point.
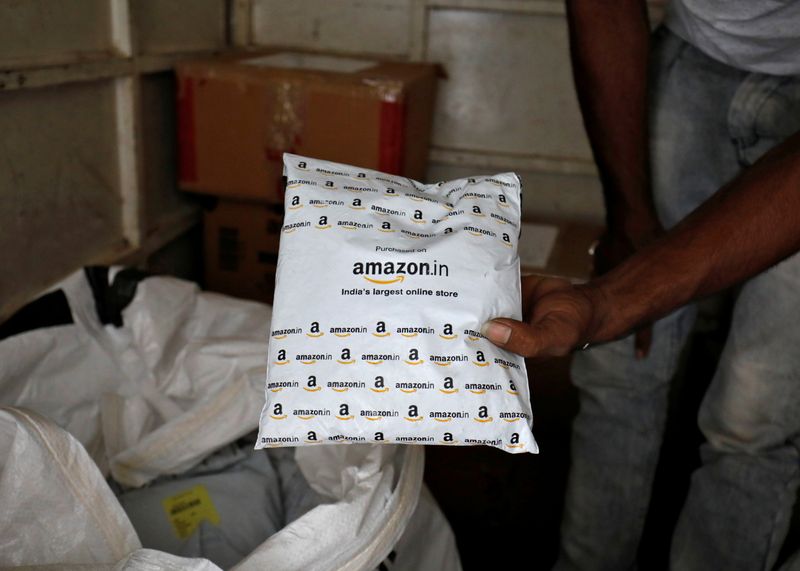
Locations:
(185, 368)
(382, 287)
(180, 379)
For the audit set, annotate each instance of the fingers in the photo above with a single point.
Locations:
(548, 338)
(529, 285)
(535, 286)
(642, 341)
(512, 335)
(558, 314)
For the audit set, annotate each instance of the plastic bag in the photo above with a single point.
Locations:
(382, 286)
(68, 515)
(182, 376)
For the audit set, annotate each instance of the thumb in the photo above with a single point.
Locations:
(514, 336)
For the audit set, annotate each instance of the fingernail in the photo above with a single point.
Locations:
(496, 332)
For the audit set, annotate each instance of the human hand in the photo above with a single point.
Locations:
(559, 317)
(616, 245)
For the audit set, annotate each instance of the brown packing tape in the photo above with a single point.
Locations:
(285, 125)
(388, 91)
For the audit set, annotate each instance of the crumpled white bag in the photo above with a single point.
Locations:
(55, 506)
(193, 360)
(68, 515)
(181, 378)
(186, 369)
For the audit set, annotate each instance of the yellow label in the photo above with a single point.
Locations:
(186, 510)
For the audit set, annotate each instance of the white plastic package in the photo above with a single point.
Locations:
(383, 284)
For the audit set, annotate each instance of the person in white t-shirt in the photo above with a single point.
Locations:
(672, 118)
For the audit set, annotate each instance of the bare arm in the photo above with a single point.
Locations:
(609, 45)
(749, 225)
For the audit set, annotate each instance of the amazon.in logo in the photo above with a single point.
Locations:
(384, 273)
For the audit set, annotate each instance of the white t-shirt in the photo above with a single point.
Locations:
(753, 35)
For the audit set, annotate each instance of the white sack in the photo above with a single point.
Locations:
(181, 378)
(55, 506)
(60, 372)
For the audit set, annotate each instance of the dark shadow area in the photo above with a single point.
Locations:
(503, 506)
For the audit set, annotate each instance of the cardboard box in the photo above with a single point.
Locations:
(238, 114)
(558, 248)
(241, 248)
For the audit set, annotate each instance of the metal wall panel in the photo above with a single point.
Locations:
(61, 205)
(33, 31)
(178, 25)
(87, 155)
(508, 102)
(352, 26)
(510, 86)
